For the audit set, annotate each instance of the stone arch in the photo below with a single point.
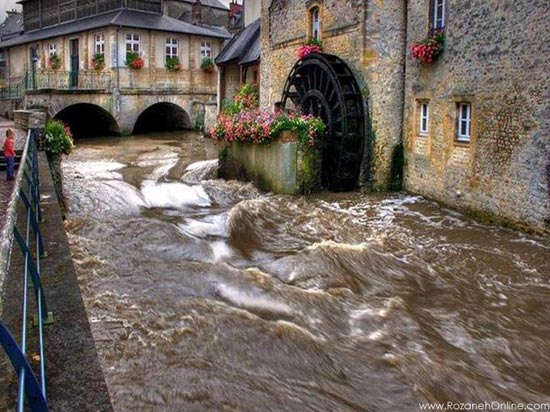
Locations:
(160, 117)
(88, 120)
(323, 85)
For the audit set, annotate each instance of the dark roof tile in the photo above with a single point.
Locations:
(124, 18)
(244, 48)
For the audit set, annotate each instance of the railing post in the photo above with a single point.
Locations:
(35, 397)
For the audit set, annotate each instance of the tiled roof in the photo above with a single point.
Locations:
(210, 3)
(12, 26)
(244, 48)
(124, 18)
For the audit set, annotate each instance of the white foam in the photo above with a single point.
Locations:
(220, 250)
(252, 301)
(203, 164)
(173, 195)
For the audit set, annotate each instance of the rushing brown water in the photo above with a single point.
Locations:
(206, 295)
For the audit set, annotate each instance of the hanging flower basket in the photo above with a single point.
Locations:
(54, 62)
(312, 46)
(429, 49)
(133, 61)
(98, 61)
(173, 64)
(207, 65)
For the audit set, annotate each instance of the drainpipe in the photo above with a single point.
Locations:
(117, 58)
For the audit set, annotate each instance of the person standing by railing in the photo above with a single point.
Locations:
(9, 155)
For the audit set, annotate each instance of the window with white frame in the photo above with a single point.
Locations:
(424, 118)
(438, 14)
(206, 49)
(100, 44)
(315, 22)
(464, 122)
(132, 43)
(171, 48)
(52, 49)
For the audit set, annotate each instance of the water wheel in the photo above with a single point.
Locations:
(323, 85)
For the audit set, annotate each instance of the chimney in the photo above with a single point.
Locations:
(196, 12)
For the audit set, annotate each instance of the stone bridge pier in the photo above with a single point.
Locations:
(91, 114)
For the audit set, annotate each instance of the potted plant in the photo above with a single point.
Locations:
(98, 61)
(54, 61)
(207, 65)
(312, 46)
(133, 61)
(173, 64)
(428, 49)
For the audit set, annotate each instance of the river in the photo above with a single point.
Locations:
(207, 295)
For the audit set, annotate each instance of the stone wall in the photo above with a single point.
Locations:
(125, 107)
(284, 166)
(496, 57)
(370, 37)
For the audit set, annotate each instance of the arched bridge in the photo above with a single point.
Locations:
(103, 114)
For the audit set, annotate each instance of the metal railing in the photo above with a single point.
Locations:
(67, 80)
(12, 89)
(31, 245)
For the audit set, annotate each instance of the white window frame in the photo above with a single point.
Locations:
(315, 22)
(99, 43)
(424, 118)
(52, 49)
(464, 122)
(171, 47)
(206, 49)
(133, 43)
(438, 14)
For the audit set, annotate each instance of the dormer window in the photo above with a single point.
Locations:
(315, 23)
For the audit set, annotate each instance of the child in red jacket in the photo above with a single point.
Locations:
(9, 154)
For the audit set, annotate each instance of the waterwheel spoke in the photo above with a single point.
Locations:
(324, 86)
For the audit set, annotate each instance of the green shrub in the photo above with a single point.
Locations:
(59, 139)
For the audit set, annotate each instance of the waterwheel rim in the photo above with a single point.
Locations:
(323, 85)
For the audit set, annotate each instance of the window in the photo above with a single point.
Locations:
(3, 62)
(464, 122)
(132, 43)
(52, 49)
(438, 14)
(206, 49)
(100, 44)
(424, 120)
(315, 23)
(171, 48)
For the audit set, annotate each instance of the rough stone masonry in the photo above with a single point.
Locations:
(496, 58)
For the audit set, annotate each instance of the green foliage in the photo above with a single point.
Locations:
(207, 64)
(247, 98)
(307, 127)
(54, 61)
(133, 60)
(173, 64)
(98, 61)
(59, 139)
(315, 42)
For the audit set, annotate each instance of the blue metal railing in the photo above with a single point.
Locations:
(30, 388)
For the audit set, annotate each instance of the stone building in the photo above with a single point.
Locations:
(74, 60)
(470, 129)
(477, 120)
(362, 65)
(239, 60)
